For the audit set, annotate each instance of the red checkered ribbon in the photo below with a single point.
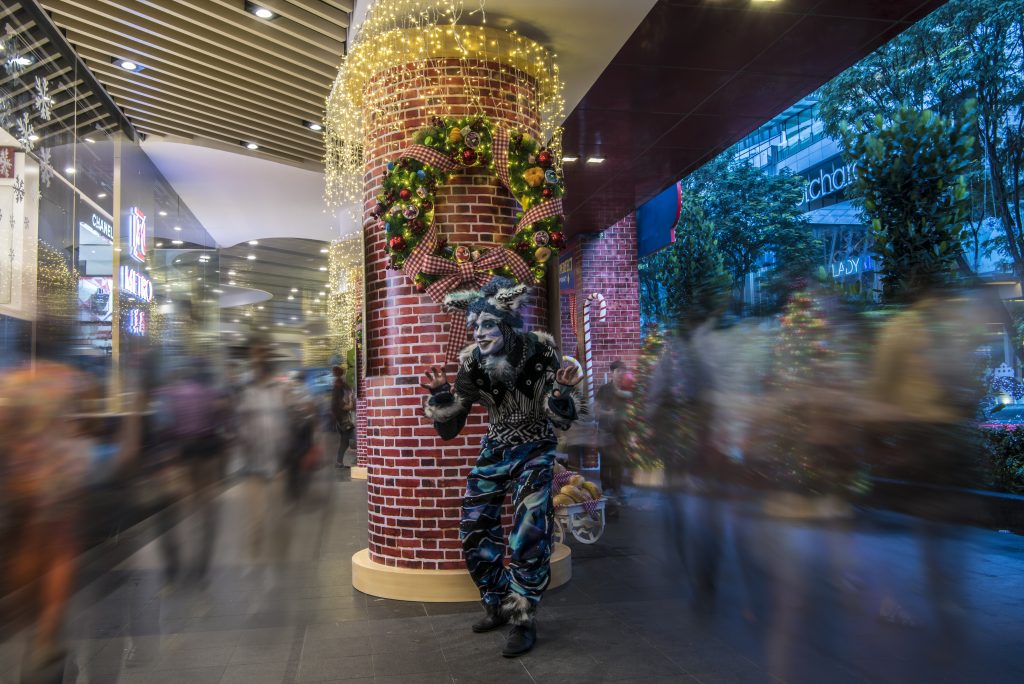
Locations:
(552, 207)
(429, 155)
(458, 276)
(500, 148)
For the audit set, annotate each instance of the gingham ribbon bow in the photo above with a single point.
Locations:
(459, 276)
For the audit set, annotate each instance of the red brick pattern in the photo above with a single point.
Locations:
(605, 262)
(416, 481)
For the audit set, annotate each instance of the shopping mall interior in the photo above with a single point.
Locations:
(736, 284)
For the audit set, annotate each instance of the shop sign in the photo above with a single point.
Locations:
(851, 266)
(136, 323)
(827, 180)
(100, 226)
(566, 280)
(135, 284)
(137, 234)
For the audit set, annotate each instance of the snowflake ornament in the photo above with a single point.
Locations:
(46, 166)
(19, 191)
(42, 100)
(5, 164)
(6, 105)
(27, 224)
(14, 61)
(26, 131)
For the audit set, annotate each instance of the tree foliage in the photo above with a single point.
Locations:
(910, 184)
(756, 216)
(686, 283)
(966, 50)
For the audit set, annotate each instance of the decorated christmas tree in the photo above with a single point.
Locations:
(639, 448)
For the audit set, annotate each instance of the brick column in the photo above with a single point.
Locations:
(606, 263)
(416, 481)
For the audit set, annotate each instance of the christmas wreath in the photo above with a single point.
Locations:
(406, 207)
(406, 203)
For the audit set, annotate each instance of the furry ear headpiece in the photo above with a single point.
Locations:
(500, 297)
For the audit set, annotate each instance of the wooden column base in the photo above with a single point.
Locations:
(436, 586)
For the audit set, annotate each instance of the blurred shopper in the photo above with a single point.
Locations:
(193, 412)
(304, 452)
(265, 433)
(924, 392)
(611, 404)
(342, 404)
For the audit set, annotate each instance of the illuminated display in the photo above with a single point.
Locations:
(135, 284)
(137, 234)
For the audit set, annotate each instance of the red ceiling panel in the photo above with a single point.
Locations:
(696, 76)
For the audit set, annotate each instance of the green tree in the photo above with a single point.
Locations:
(686, 283)
(910, 184)
(965, 50)
(755, 216)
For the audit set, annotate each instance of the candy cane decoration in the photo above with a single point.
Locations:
(588, 348)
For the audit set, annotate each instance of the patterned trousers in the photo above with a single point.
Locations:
(527, 471)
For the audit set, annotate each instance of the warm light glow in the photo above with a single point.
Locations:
(263, 13)
(177, 242)
(595, 160)
(252, 146)
(70, 170)
(251, 257)
(569, 160)
(412, 35)
(128, 65)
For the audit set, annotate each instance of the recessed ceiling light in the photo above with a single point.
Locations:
(254, 242)
(260, 11)
(232, 273)
(101, 195)
(23, 60)
(217, 291)
(90, 141)
(322, 293)
(323, 268)
(595, 160)
(251, 257)
(316, 301)
(250, 145)
(159, 244)
(70, 170)
(295, 318)
(570, 159)
(231, 282)
(33, 137)
(295, 289)
(279, 323)
(234, 320)
(128, 65)
(177, 228)
(260, 307)
(323, 250)
(248, 313)
(177, 242)
(291, 297)
(162, 213)
(313, 125)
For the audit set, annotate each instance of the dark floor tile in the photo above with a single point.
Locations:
(253, 654)
(423, 678)
(417, 661)
(192, 675)
(334, 669)
(262, 673)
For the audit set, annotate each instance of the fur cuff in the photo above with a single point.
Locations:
(564, 409)
(444, 411)
(518, 609)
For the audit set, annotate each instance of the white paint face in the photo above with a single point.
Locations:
(484, 330)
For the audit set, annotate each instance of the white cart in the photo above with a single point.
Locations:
(585, 527)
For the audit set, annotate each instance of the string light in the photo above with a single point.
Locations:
(426, 38)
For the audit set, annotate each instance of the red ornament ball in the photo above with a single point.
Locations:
(468, 156)
(558, 239)
(546, 193)
(545, 158)
(404, 193)
(397, 243)
(419, 287)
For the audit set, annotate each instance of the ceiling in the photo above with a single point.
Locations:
(212, 72)
(698, 75)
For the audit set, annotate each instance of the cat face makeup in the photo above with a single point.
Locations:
(484, 330)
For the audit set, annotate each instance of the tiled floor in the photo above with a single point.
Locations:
(795, 603)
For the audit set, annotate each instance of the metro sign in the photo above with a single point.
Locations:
(137, 234)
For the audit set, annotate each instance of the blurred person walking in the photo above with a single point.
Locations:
(342, 403)
(611, 404)
(265, 432)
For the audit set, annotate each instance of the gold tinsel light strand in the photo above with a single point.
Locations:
(411, 36)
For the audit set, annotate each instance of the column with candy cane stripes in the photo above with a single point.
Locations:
(593, 299)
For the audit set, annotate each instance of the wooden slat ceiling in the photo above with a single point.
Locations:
(212, 72)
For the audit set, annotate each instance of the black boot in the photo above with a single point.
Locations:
(520, 640)
(494, 619)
